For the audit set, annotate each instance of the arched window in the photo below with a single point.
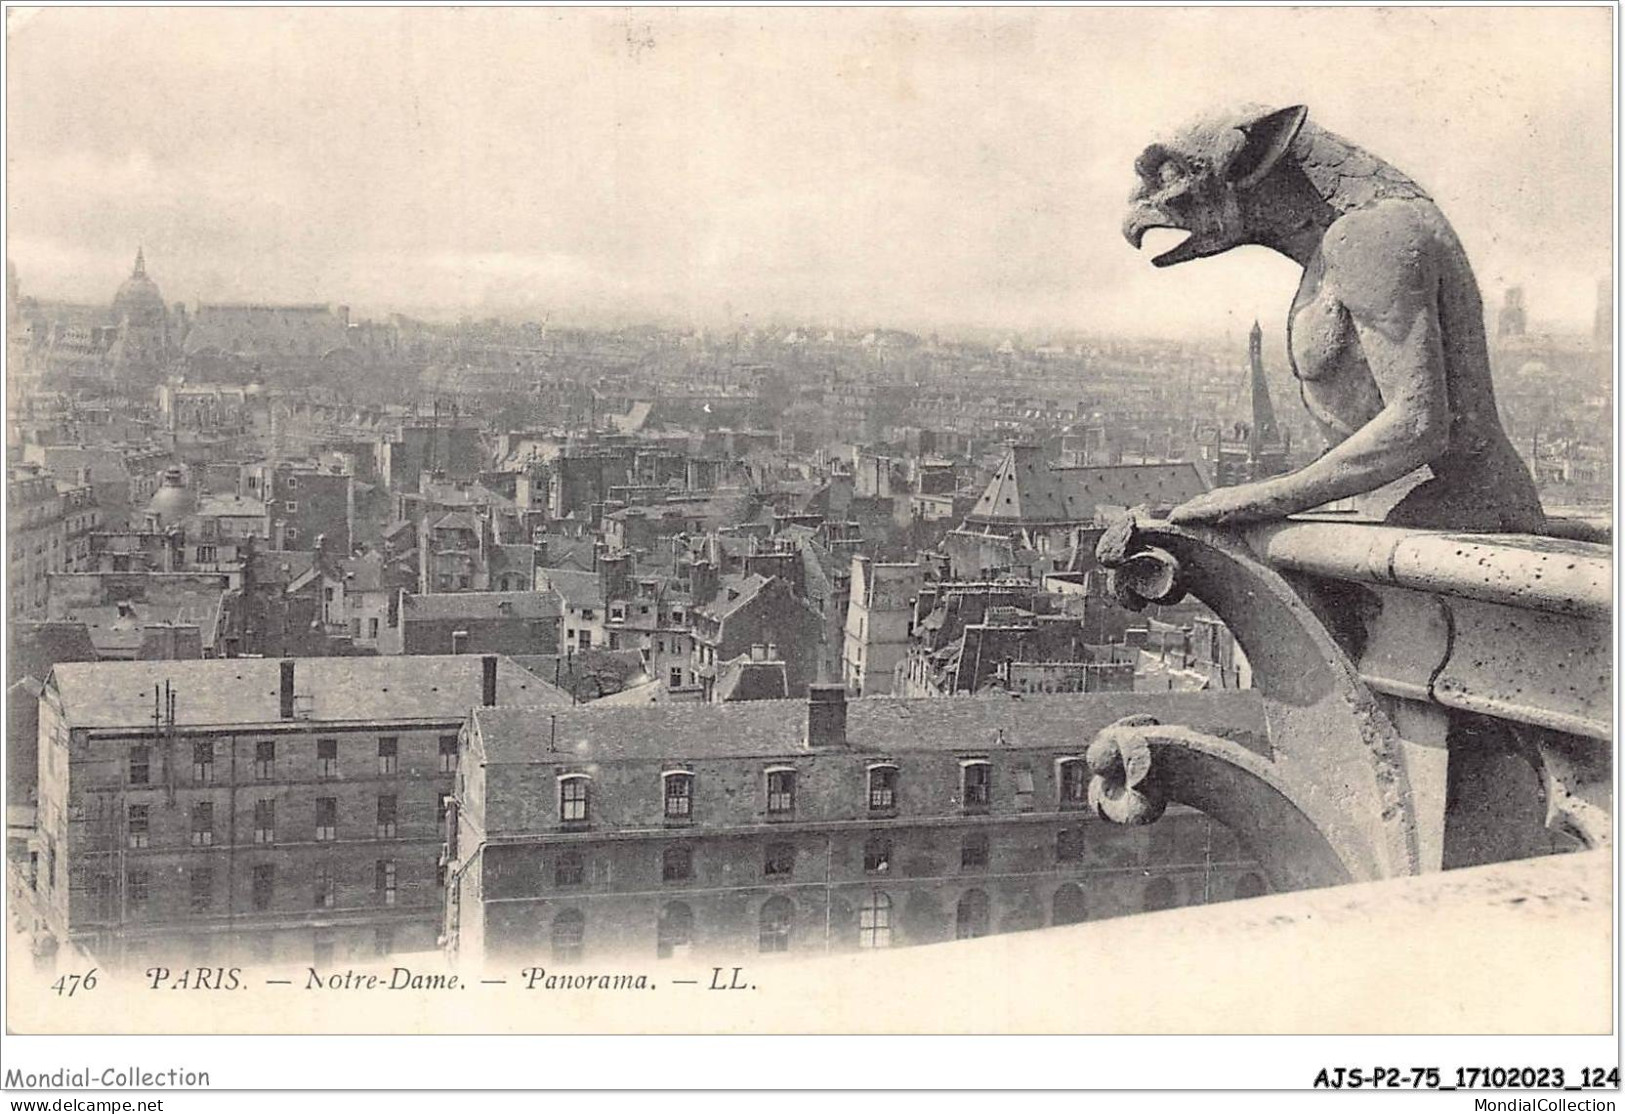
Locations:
(569, 928)
(874, 921)
(970, 919)
(1069, 905)
(1250, 884)
(1160, 894)
(677, 863)
(675, 931)
(777, 917)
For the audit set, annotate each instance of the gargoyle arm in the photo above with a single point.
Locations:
(1378, 268)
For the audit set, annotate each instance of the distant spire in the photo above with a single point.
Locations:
(140, 264)
(1263, 431)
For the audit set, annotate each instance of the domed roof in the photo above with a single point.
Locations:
(139, 298)
(173, 501)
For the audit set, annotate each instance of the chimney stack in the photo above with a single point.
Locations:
(286, 707)
(488, 680)
(826, 715)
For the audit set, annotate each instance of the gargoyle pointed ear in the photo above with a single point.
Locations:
(1268, 138)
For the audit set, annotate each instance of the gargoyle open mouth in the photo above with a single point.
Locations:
(1140, 222)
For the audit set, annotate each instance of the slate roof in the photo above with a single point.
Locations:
(579, 589)
(1026, 489)
(874, 725)
(482, 605)
(734, 592)
(745, 679)
(245, 691)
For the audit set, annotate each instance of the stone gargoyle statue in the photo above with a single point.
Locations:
(1386, 331)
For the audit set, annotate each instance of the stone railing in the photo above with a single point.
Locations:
(1434, 699)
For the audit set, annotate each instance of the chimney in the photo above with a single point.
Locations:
(286, 705)
(459, 642)
(488, 680)
(826, 715)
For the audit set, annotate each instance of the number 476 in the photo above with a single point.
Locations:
(67, 984)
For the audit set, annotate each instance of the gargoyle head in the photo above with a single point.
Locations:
(1198, 181)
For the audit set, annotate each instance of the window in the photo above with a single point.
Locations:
(1069, 906)
(203, 763)
(570, 869)
(586, 614)
(781, 792)
(569, 928)
(679, 795)
(970, 918)
(573, 802)
(776, 920)
(264, 760)
(327, 819)
(325, 888)
(264, 886)
(137, 887)
(264, 821)
(203, 824)
(1072, 778)
(372, 632)
(383, 940)
(201, 889)
(674, 932)
(138, 825)
(327, 758)
(677, 863)
(1024, 790)
(388, 749)
(675, 678)
(780, 860)
(448, 754)
(874, 921)
(386, 816)
(1069, 845)
(882, 788)
(140, 765)
(292, 506)
(973, 852)
(584, 638)
(977, 785)
(877, 855)
(205, 554)
(384, 880)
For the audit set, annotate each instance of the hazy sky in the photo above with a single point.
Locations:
(920, 168)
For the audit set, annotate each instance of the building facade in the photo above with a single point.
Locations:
(778, 826)
(253, 810)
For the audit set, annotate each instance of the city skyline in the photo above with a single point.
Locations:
(363, 157)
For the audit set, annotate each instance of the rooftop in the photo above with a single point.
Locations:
(243, 691)
(874, 725)
(483, 605)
